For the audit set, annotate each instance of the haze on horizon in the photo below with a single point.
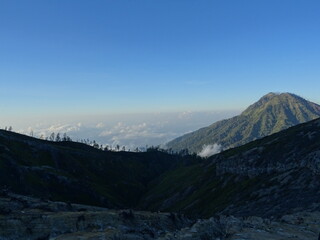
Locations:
(91, 62)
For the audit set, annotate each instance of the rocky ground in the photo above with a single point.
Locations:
(35, 219)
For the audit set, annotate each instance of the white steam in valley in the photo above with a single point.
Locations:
(209, 150)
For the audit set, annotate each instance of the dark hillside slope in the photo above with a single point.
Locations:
(271, 114)
(75, 172)
(272, 176)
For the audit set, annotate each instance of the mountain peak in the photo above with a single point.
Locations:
(270, 114)
(279, 99)
(271, 95)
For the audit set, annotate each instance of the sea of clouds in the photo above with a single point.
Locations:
(129, 130)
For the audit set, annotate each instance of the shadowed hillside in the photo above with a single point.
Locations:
(75, 172)
(272, 176)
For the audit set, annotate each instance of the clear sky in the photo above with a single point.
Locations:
(103, 56)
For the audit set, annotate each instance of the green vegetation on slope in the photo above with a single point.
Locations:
(271, 114)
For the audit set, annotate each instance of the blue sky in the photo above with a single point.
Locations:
(133, 56)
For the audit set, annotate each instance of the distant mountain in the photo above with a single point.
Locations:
(273, 176)
(272, 113)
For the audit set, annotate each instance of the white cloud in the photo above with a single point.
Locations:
(106, 133)
(64, 128)
(128, 130)
(185, 115)
(135, 135)
(209, 150)
(100, 125)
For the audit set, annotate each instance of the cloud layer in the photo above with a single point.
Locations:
(128, 130)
